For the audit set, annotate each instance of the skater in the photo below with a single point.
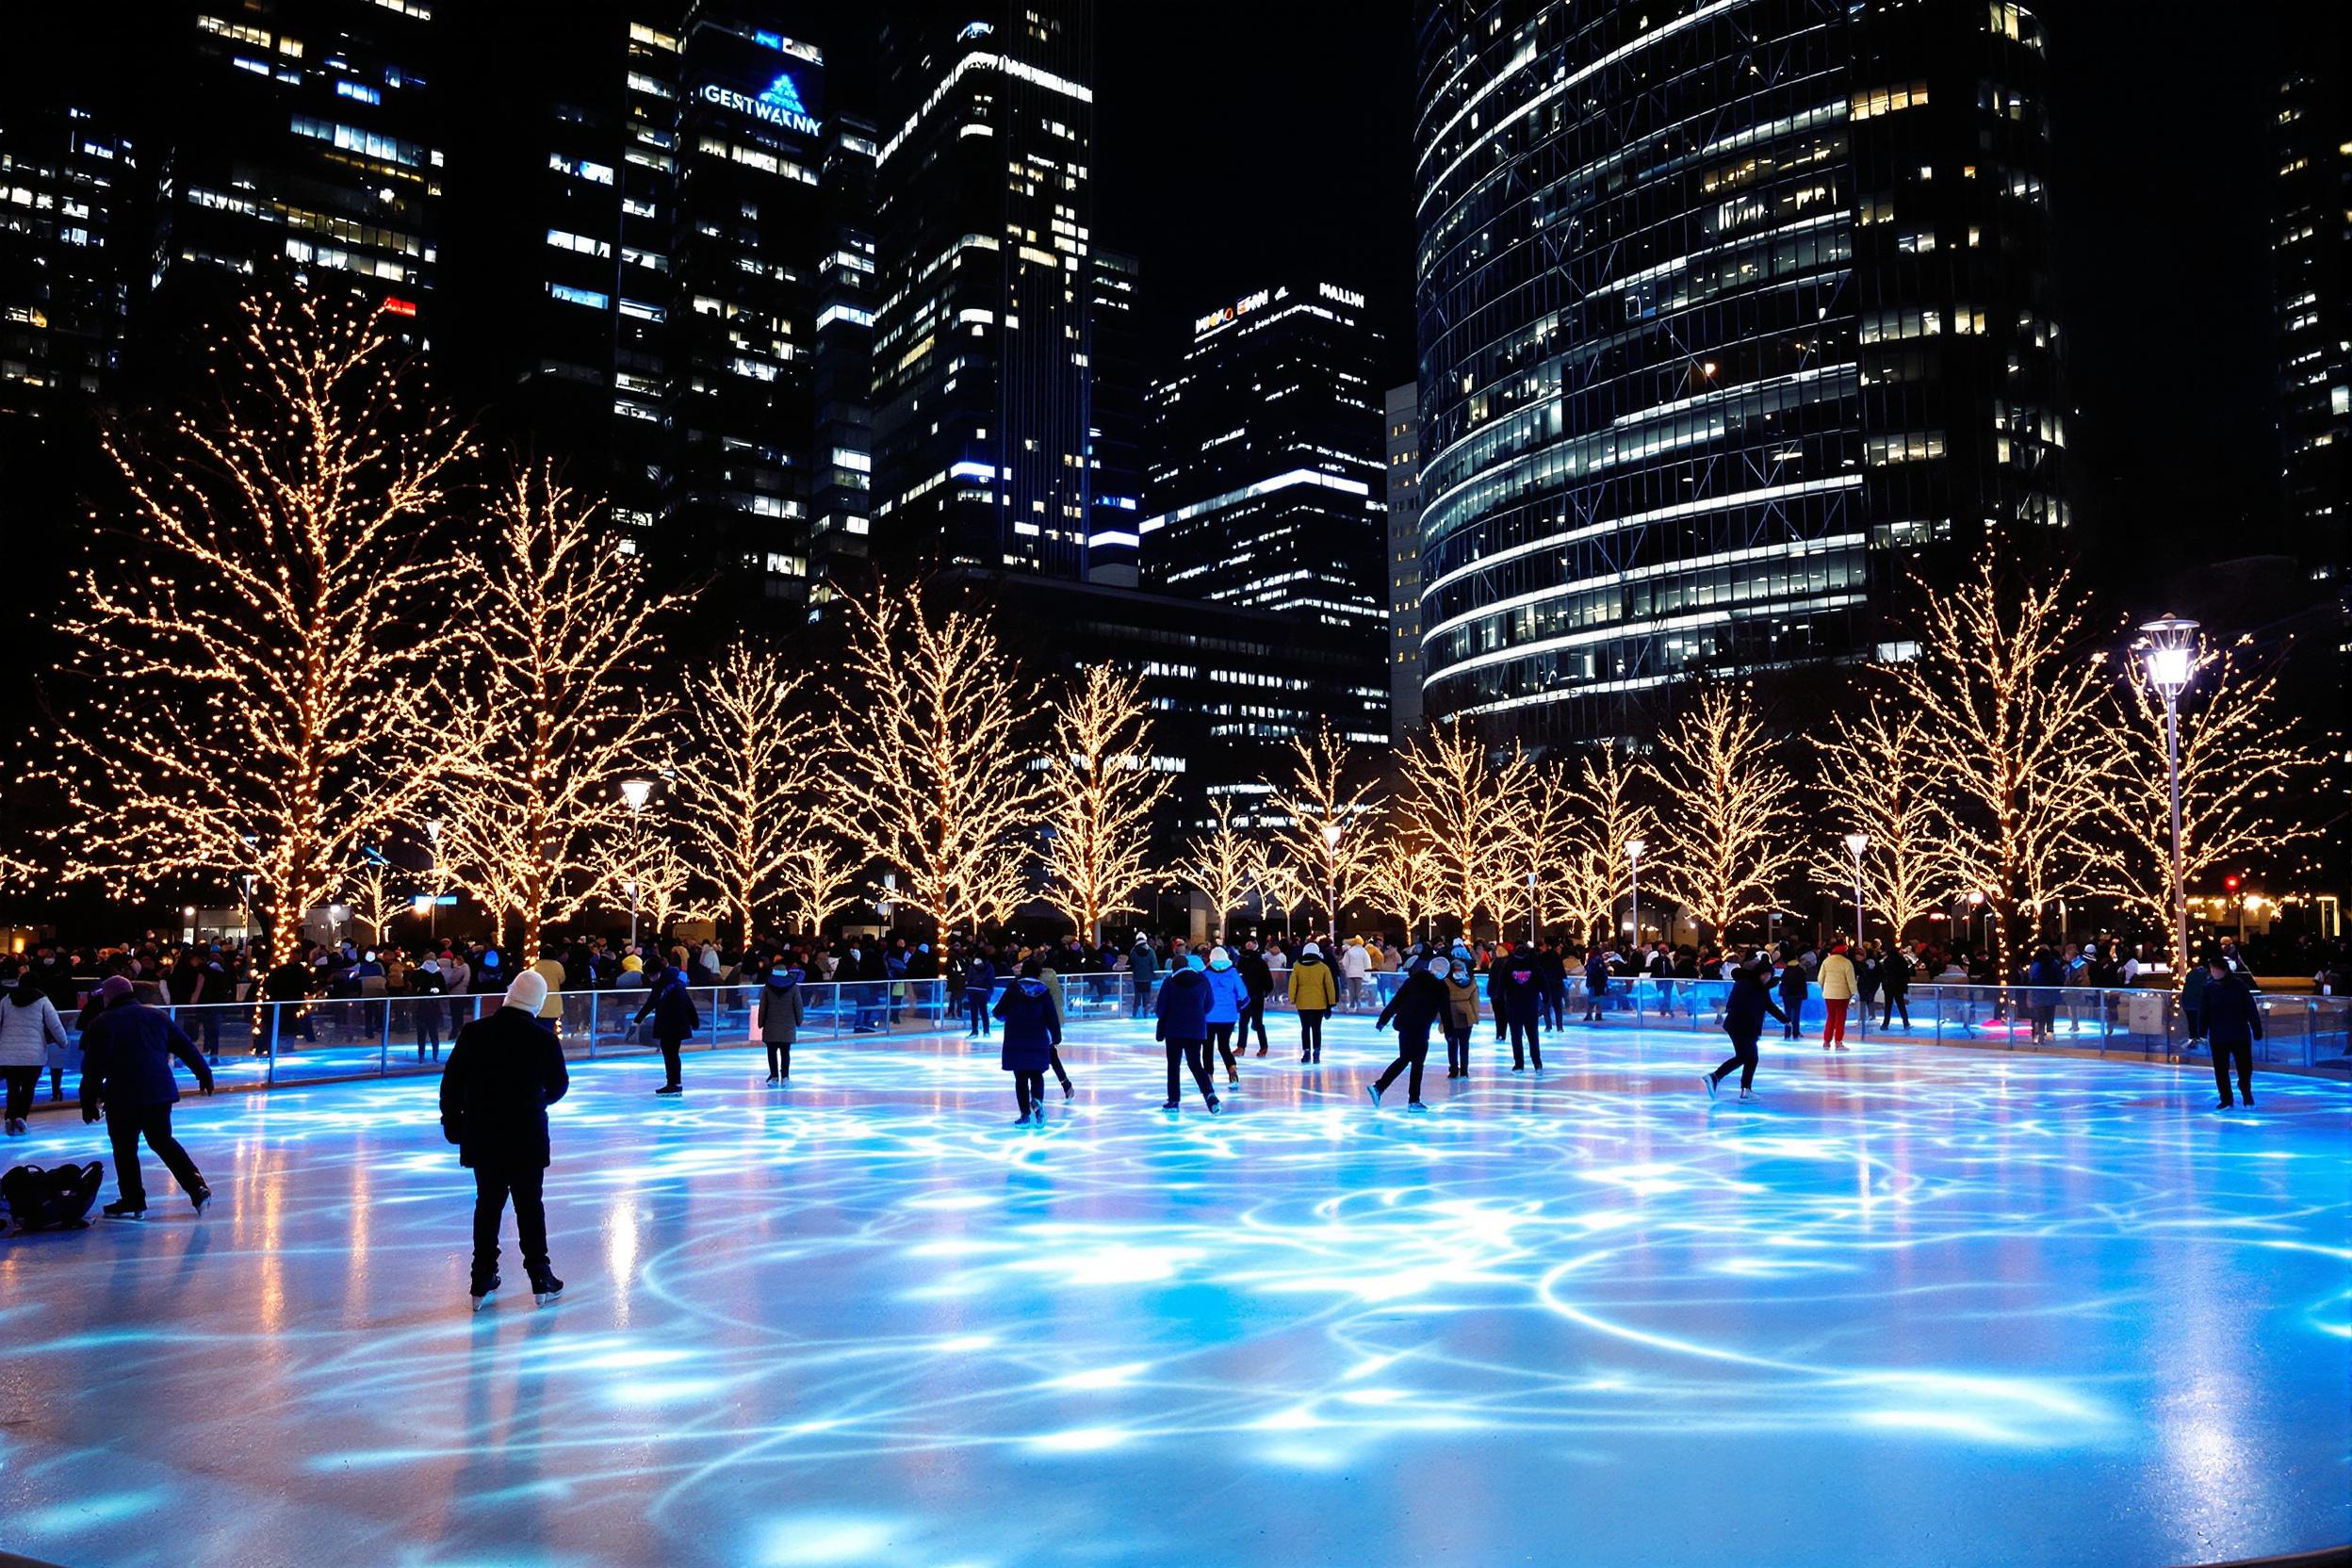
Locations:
(1141, 965)
(1313, 994)
(1229, 1002)
(1033, 1032)
(1894, 987)
(1419, 1002)
(127, 1075)
(1838, 987)
(671, 1006)
(781, 1013)
(1184, 1028)
(979, 984)
(1793, 985)
(1596, 983)
(427, 986)
(1743, 1021)
(504, 1070)
(1554, 970)
(2233, 1021)
(30, 1028)
(1061, 1009)
(1462, 1015)
(1260, 979)
(1516, 988)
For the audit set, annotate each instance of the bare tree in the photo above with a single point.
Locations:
(1730, 813)
(1329, 805)
(752, 756)
(1101, 790)
(1218, 864)
(1468, 807)
(1887, 790)
(1610, 816)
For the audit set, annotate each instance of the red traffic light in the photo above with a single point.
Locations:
(2230, 883)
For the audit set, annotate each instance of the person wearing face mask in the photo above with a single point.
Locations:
(1229, 1000)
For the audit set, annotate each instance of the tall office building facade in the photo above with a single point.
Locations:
(1402, 437)
(1266, 481)
(322, 151)
(2312, 252)
(983, 417)
(69, 251)
(1730, 315)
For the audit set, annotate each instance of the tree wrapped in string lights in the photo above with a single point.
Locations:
(1329, 805)
(1218, 864)
(1101, 791)
(1887, 789)
(1469, 808)
(265, 653)
(820, 879)
(644, 870)
(1594, 867)
(557, 622)
(935, 758)
(751, 761)
(1730, 823)
(2016, 721)
(1274, 882)
(373, 899)
(2240, 767)
(1409, 878)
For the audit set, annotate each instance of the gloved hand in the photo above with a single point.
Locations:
(89, 1113)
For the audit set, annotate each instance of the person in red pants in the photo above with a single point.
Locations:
(1839, 987)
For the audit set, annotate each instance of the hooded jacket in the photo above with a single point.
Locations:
(671, 1006)
(1183, 1006)
(1420, 1002)
(29, 1025)
(1745, 1006)
(979, 975)
(1461, 1002)
(780, 1009)
(126, 1059)
(1515, 986)
(1254, 974)
(1229, 993)
(1033, 1026)
(1312, 988)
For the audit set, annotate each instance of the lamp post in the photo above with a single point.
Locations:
(1332, 831)
(636, 792)
(2172, 658)
(432, 878)
(1855, 844)
(1530, 909)
(1976, 902)
(1633, 864)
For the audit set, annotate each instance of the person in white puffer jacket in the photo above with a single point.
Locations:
(1354, 964)
(29, 1025)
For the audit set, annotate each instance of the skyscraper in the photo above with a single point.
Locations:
(69, 244)
(2311, 250)
(1266, 484)
(1730, 315)
(982, 416)
(1403, 434)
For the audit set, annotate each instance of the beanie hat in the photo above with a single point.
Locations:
(1218, 957)
(1194, 961)
(529, 992)
(1311, 951)
(114, 987)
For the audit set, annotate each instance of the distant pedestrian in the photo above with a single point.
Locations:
(30, 1028)
(671, 1006)
(1313, 995)
(1229, 1000)
(1420, 1003)
(1839, 987)
(780, 1014)
(1183, 1011)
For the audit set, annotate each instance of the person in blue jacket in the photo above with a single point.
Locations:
(1032, 1030)
(1229, 1002)
(979, 981)
(1184, 1028)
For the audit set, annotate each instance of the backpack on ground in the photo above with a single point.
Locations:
(53, 1200)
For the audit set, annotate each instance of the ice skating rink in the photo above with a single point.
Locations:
(1916, 1306)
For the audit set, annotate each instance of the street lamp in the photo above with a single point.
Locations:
(1855, 844)
(2171, 659)
(1633, 861)
(636, 792)
(433, 876)
(1531, 910)
(1330, 887)
(1976, 902)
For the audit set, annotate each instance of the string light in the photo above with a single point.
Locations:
(1219, 863)
(1320, 804)
(1729, 828)
(1465, 810)
(752, 762)
(1887, 790)
(1101, 793)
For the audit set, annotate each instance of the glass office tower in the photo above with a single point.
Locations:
(1732, 312)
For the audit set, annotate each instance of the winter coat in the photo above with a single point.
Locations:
(1033, 1027)
(781, 1008)
(1894, 977)
(2231, 1015)
(1793, 985)
(1229, 993)
(1353, 961)
(1515, 987)
(1745, 1007)
(503, 1074)
(1254, 974)
(1312, 988)
(1597, 975)
(980, 975)
(30, 1027)
(671, 1006)
(1838, 978)
(1420, 1002)
(552, 972)
(1142, 962)
(1462, 1005)
(2193, 989)
(1183, 1006)
(126, 1060)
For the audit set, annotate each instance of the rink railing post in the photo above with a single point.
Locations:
(270, 1063)
(383, 1045)
(591, 1026)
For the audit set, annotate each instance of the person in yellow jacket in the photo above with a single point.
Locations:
(1838, 988)
(551, 1011)
(1312, 994)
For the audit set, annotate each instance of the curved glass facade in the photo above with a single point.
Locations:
(1678, 266)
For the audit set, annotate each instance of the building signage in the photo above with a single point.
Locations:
(1344, 296)
(779, 105)
(1240, 307)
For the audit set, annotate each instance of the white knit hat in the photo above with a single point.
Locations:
(529, 992)
(1311, 951)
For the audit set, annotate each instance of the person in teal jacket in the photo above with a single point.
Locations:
(1229, 999)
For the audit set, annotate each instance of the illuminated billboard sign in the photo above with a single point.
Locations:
(780, 104)
(1240, 307)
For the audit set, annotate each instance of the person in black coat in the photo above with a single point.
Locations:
(503, 1073)
(671, 1005)
(1894, 987)
(1419, 1003)
(1033, 1031)
(1744, 1010)
(2233, 1021)
(1260, 981)
(1515, 987)
(979, 983)
(1794, 983)
(127, 1075)
(426, 984)
(1183, 1010)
